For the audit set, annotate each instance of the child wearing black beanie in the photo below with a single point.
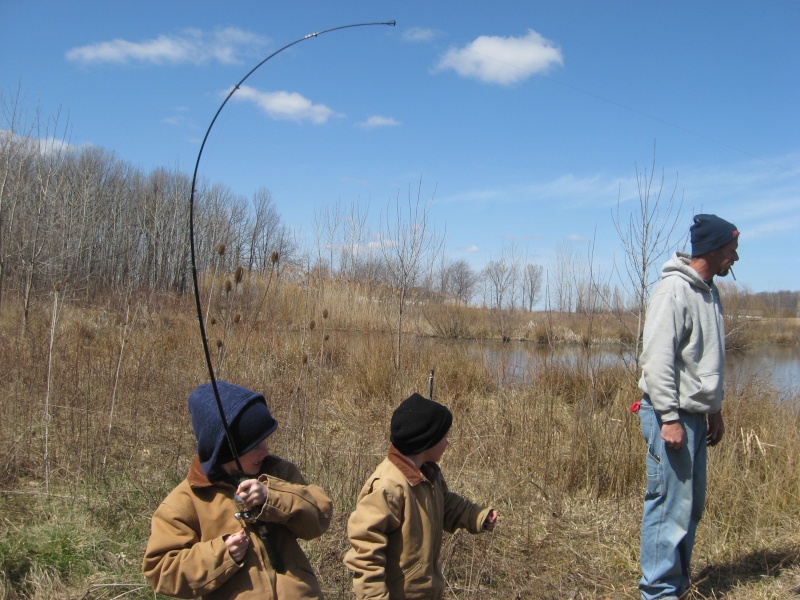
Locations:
(396, 529)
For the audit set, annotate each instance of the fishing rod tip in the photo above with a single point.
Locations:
(392, 23)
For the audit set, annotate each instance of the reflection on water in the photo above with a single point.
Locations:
(776, 365)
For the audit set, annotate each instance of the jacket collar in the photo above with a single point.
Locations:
(429, 471)
(197, 477)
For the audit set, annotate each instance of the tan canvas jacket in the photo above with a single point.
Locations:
(186, 554)
(396, 530)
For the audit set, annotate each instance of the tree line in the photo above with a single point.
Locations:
(82, 215)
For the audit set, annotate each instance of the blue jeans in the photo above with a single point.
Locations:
(673, 503)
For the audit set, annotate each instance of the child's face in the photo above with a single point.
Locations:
(435, 453)
(251, 461)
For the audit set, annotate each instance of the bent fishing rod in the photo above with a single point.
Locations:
(225, 425)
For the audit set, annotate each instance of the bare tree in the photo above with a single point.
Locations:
(409, 248)
(532, 278)
(567, 267)
(460, 281)
(11, 173)
(646, 236)
(50, 150)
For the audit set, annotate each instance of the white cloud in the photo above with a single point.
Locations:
(376, 121)
(226, 46)
(419, 34)
(288, 106)
(503, 60)
(471, 249)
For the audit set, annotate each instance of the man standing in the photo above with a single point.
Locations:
(683, 359)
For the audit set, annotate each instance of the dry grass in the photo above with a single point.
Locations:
(559, 455)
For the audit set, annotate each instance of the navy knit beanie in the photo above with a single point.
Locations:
(709, 232)
(250, 422)
(419, 424)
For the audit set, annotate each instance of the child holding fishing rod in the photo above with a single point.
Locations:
(230, 529)
(405, 505)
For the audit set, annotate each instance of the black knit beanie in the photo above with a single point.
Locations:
(419, 424)
(709, 232)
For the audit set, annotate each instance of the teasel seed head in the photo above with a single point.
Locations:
(228, 286)
(273, 258)
(325, 313)
(312, 324)
(237, 276)
(219, 343)
(237, 317)
(221, 249)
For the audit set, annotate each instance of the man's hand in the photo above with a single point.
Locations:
(716, 428)
(672, 433)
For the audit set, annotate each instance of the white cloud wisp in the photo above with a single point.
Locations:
(503, 60)
(287, 106)
(225, 46)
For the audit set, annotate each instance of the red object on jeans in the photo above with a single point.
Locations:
(635, 406)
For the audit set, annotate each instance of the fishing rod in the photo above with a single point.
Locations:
(204, 338)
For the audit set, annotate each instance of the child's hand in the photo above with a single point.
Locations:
(490, 521)
(252, 492)
(237, 545)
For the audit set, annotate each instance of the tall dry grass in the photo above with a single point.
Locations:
(556, 450)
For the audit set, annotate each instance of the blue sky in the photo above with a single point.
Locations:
(525, 122)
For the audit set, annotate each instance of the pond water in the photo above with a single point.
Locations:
(775, 365)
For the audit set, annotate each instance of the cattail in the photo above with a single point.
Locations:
(221, 249)
(325, 313)
(228, 286)
(273, 258)
(237, 317)
(237, 276)
(312, 324)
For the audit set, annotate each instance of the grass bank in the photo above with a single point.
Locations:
(94, 432)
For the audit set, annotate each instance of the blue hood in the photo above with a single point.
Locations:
(208, 429)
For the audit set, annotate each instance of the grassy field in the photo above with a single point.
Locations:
(94, 432)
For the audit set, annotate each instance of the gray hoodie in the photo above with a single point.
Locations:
(683, 356)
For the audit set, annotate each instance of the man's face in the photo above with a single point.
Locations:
(726, 256)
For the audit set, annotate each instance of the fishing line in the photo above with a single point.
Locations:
(635, 111)
(203, 336)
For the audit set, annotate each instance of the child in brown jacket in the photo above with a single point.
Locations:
(228, 534)
(396, 529)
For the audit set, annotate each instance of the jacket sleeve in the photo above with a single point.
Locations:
(305, 510)
(460, 513)
(665, 328)
(177, 563)
(377, 514)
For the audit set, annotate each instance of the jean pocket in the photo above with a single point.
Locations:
(654, 478)
(652, 437)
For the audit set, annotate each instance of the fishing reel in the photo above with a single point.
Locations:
(248, 518)
(245, 516)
